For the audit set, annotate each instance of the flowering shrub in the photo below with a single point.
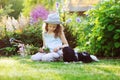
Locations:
(39, 12)
(72, 25)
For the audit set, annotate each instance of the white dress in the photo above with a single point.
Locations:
(51, 42)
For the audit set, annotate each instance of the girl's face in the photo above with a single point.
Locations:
(52, 27)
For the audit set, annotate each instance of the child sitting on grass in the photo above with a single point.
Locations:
(53, 39)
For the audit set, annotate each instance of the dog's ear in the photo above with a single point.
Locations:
(69, 55)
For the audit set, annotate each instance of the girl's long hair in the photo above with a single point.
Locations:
(57, 31)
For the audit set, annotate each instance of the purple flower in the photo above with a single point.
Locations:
(78, 19)
(31, 21)
(68, 20)
(57, 5)
(37, 13)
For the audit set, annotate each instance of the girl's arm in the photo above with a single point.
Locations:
(64, 40)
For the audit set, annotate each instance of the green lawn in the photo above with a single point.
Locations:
(17, 68)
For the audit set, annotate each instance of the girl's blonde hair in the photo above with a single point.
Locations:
(58, 31)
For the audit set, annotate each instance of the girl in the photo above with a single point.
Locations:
(53, 39)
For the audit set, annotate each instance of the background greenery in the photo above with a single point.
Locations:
(104, 38)
(97, 32)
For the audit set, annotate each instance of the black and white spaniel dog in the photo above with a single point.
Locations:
(69, 55)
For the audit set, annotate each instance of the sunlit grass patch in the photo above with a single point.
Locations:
(18, 68)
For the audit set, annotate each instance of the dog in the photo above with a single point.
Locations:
(69, 55)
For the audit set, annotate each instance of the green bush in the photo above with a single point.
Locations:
(8, 51)
(105, 18)
(70, 26)
(31, 49)
(31, 35)
(83, 31)
(77, 31)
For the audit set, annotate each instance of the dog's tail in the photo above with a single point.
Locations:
(94, 58)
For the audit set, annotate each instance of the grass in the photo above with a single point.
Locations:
(17, 68)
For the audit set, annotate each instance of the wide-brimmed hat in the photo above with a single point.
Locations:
(53, 19)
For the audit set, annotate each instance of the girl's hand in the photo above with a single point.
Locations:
(41, 50)
(56, 49)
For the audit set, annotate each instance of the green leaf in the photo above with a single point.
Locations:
(117, 44)
(118, 30)
(99, 38)
(110, 27)
(116, 36)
